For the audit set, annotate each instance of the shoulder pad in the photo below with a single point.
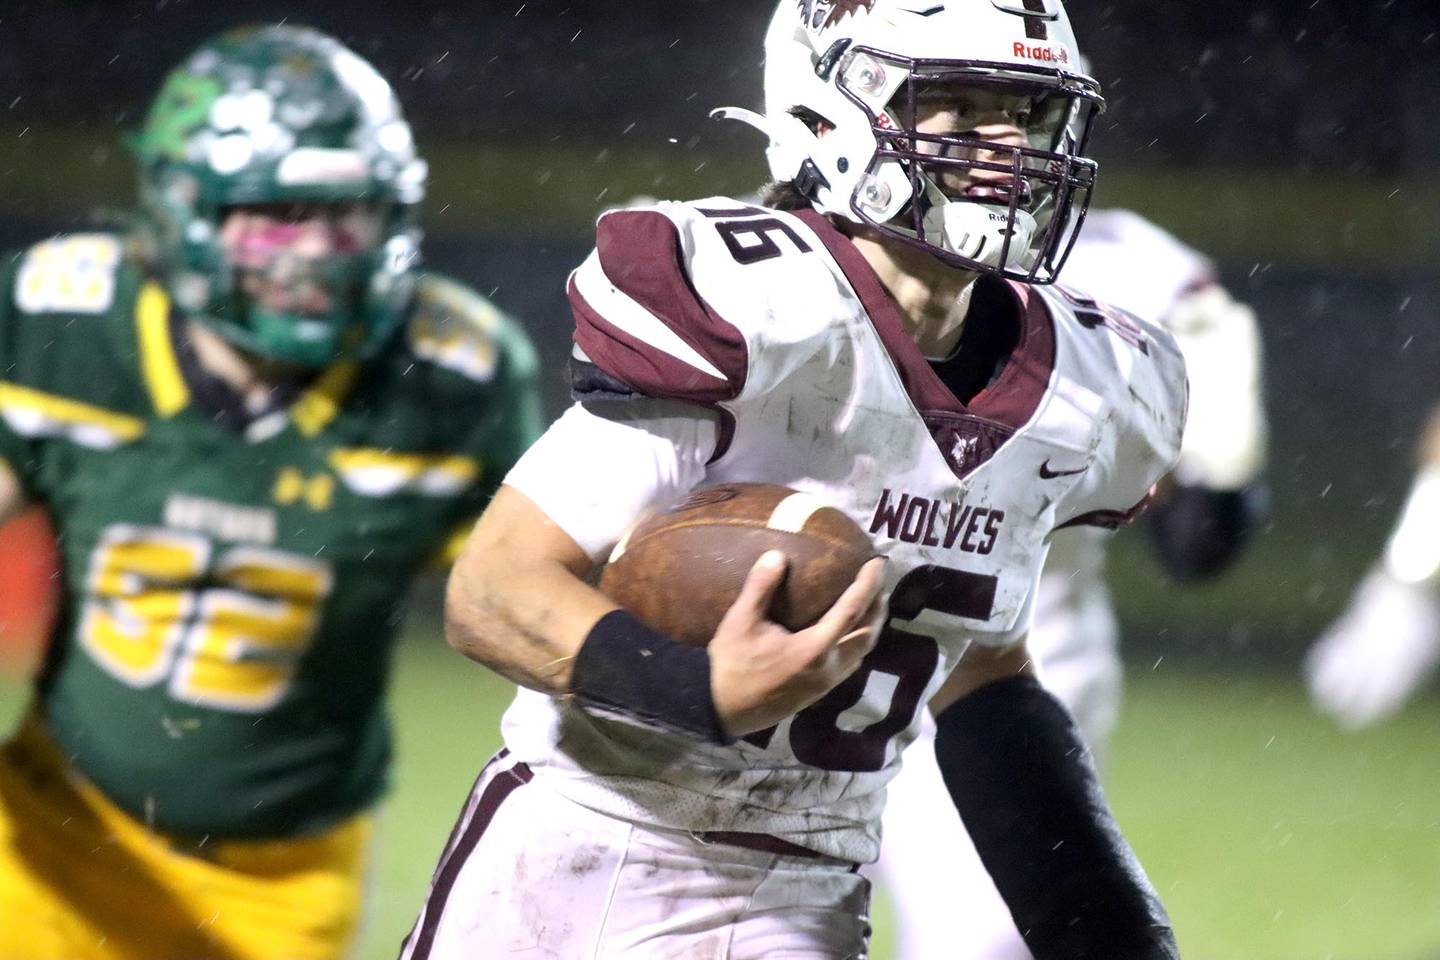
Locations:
(74, 273)
(454, 327)
(59, 376)
(639, 317)
(1133, 372)
(701, 301)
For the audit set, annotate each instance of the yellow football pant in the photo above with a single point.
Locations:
(82, 880)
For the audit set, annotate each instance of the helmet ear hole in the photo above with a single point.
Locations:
(812, 120)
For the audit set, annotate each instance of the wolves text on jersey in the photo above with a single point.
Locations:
(911, 518)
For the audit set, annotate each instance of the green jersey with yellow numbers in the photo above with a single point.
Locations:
(231, 589)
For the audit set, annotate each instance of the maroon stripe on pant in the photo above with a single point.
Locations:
(458, 852)
(466, 809)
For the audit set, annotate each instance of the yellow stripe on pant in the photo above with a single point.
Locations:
(80, 879)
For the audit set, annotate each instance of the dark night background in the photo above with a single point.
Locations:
(1297, 143)
(1294, 142)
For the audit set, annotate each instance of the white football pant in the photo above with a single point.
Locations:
(527, 873)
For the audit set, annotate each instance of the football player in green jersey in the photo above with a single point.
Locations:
(252, 420)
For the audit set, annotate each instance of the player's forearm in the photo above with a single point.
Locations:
(515, 632)
(516, 599)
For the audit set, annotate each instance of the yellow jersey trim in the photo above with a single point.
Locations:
(320, 404)
(379, 473)
(33, 412)
(157, 352)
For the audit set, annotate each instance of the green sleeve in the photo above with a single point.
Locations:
(483, 372)
(518, 422)
(20, 453)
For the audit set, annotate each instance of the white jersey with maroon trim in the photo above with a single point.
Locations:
(776, 321)
(1122, 259)
(1126, 261)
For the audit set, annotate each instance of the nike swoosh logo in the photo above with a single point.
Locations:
(1047, 474)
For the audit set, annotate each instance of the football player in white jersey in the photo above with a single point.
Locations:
(1386, 645)
(946, 905)
(884, 340)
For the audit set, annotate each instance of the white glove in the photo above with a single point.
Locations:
(1224, 443)
(1380, 651)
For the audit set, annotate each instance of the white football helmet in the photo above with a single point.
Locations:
(843, 79)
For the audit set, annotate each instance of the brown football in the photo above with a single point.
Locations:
(680, 570)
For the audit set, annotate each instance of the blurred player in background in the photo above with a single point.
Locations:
(1386, 645)
(1202, 517)
(252, 420)
(879, 336)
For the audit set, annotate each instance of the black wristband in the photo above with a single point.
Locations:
(1025, 786)
(628, 668)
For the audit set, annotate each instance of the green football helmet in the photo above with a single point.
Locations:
(281, 115)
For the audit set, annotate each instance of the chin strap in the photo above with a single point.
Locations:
(977, 230)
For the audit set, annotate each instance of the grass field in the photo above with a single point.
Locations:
(1271, 835)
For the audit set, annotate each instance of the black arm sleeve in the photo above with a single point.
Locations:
(1026, 789)
(1198, 532)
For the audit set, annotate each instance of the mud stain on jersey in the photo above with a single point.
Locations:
(788, 789)
(644, 754)
(760, 788)
(1146, 405)
(586, 860)
(522, 869)
(725, 778)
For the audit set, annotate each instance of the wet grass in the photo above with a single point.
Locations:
(1272, 835)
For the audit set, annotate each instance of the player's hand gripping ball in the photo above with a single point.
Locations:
(680, 570)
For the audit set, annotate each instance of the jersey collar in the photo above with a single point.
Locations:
(1016, 393)
(313, 410)
(968, 434)
(320, 403)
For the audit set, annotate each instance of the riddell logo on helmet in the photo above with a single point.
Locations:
(1046, 54)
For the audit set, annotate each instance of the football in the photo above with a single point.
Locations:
(680, 570)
